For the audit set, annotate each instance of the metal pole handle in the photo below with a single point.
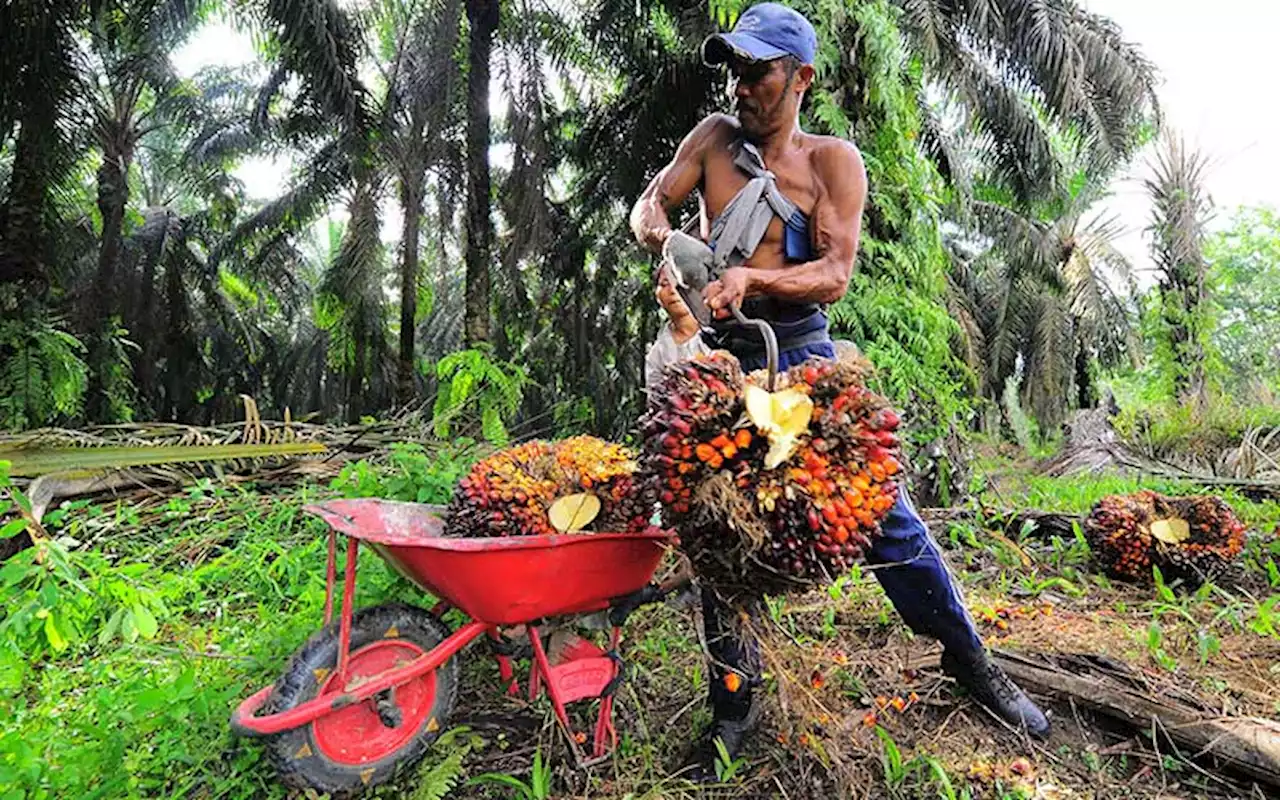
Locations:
(770, 341)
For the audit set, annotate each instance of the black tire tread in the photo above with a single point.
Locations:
(367, 625)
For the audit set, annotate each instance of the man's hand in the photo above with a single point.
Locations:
(730, 290)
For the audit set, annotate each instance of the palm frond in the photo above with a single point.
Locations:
(319, 180)
(1048, 361)
(320, 42)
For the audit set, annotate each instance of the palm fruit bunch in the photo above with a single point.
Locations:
(777, 490)
(544, 487)
(1192, 538)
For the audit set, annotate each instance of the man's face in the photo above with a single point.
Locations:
(765, 93)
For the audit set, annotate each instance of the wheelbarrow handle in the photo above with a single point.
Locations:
(770, 341)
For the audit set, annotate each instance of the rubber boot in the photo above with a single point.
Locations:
(990, 686)
(734, 677)
(702, 758)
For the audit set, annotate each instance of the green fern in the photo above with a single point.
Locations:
(43, 374)
(436, 780)
(471, 380)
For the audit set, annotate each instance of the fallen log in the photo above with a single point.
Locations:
(1249, 746)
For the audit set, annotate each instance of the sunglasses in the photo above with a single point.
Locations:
(749, 71)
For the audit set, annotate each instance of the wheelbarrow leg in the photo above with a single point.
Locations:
(348, 598)
(590, 673)
(606, 738)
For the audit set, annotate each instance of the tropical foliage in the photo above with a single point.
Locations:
(989, 133)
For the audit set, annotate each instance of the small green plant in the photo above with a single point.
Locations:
(414, 473)
(473, 380)
(437, 779)
(726, 766)
(891, 760)
(1155, 647)
(1267, 617)
(537, 788)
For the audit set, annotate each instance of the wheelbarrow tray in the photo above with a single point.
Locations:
(501, 580)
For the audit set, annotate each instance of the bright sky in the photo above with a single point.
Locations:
(1211, 58)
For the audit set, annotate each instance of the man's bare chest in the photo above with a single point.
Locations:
(722, 180)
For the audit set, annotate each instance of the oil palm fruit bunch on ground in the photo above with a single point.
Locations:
(579, 484)
(1188, 538)
(781, 489)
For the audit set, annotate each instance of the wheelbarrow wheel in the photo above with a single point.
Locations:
(350, 750)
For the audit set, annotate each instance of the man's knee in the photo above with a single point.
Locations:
(903, 535)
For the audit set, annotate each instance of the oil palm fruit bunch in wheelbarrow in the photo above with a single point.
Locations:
(539, 487)
(779, 489)
(1188, 538)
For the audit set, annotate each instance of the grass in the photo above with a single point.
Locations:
(233, 581)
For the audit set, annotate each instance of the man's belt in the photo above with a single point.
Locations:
(749, 344)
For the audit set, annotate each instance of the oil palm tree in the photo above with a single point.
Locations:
(1181, 210)
(1023, 70)
(1034, 292)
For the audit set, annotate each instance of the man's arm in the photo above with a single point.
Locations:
(670, 187)
(837, 225)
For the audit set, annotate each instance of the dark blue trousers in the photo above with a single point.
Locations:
(905, 559)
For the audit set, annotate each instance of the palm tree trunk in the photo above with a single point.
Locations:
(411, 205)
(144, 370)
(176, 404)
(23, 238)
(113, 195)
(355, 381)
(483, 18)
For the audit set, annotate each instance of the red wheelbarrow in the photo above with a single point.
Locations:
(367, 694)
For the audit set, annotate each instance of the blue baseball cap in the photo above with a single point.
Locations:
(764, 32)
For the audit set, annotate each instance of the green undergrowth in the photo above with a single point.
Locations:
(128, 635)
(1011, 487)
(131, 632)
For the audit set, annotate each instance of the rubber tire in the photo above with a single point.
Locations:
(299, 684)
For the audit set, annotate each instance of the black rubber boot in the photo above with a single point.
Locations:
(991, 687)
(700, 762)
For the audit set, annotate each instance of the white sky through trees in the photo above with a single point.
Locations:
(1215, 61)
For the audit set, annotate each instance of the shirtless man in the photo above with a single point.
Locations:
(802, 262)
